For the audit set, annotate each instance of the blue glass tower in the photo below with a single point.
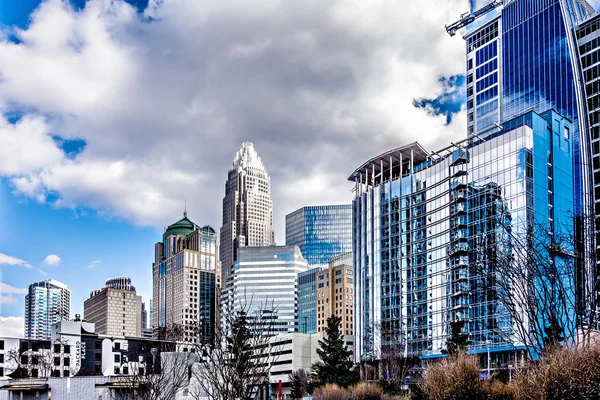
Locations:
(425, 227)
(528, 57)
(307, 300)
(321, 232)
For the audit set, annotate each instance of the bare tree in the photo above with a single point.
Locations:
(161, 379)
(238, 364)
(528, 273)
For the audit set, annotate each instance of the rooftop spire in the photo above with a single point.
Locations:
(185, 208)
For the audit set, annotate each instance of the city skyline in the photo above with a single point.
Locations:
(329, 91)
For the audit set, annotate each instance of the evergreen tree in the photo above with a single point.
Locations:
(336, 363)
(238, 347)
(458, 340)
(297, 389)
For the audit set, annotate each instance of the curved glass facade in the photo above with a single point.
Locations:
(321, 232)
(424, 227)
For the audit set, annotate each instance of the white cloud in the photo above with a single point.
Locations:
(52, 260)
(9, 260)
(163, 106)
(7, 289)
(95, 263)
(12, 326)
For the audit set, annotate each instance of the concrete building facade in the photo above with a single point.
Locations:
(184, 282)
(247, 208)
(115, 309)
(335, 294)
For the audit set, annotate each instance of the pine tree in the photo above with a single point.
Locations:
(297, 389)
(458, 340)
(336, 360)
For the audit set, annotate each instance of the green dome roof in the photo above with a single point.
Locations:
(182, 227)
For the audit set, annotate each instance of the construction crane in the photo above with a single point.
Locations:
(468, 18)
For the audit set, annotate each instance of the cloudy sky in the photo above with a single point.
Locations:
(114, 113)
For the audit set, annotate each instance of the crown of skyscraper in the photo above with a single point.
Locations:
(247, 157)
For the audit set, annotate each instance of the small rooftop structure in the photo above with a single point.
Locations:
(390, 164)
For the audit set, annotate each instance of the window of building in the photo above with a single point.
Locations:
(1, 358)
(67, 348)
(57, 348)
(117, 371)
(117, 346)
(24, 360)
(67, 362)
(1, 344)
(117, 358)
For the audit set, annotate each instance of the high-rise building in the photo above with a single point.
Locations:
(247, 208)
(115, 309)
(144, 317)
(335, 294)
(184, 282)
(321, 232)
(46, 303)
(423, 221)
(541, 55)
(588, 44)
(307, 300)
(265, 279)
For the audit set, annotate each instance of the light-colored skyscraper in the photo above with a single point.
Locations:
(184, 282)
(46, 303)
(247, 208)
(116, 309)
(265, 279)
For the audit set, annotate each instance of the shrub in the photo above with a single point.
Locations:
(565, 373)
(455, 377)
(367, 391)
(330, 392)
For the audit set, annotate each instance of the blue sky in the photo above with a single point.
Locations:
(114, 113)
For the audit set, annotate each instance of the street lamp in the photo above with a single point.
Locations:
(154, 352)
(488, 342)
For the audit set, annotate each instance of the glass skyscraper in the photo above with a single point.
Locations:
(541, 55)
(46, 303)
(424, 226)
(265, 280)
(307, 300)
(321, 232)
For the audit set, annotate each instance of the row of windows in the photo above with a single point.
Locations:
(590, 59)
(487, 82)
(487, 53)
(487, 68)
(486, 34)
(488, 94)
(589, 46)
(589, 28)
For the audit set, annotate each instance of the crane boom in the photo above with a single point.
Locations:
(467, 18)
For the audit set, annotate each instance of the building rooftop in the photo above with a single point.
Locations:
(389, 163)
(182, 227)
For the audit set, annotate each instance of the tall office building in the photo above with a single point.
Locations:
(247, 208)
(588, 43)
(184, 281)
(541, 55)
(335, 291)
(307, 300)
(46, 303)
(265, 279)
(116, 309)
(425, 225)
(321, 232)
(144, 324)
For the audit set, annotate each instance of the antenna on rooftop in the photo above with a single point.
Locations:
(185, 208)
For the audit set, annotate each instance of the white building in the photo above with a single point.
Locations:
(266, 279)
(289, 353)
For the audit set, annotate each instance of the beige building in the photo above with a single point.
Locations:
(116, 309)
(335, 294)
(184, 283)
